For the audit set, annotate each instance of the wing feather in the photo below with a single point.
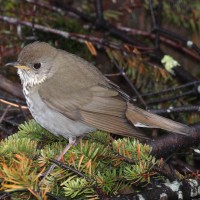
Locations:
(95, 104)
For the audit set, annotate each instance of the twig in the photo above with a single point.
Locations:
(170, 98)
(99, 42)
(4, 195)
(173, 89)
(13, 104)
(184, 75)
(99, 11)
(11, 122)
(13, 100)
(157, 41)
(129, 82)
(164, 39)
(99, 24)
(4, 114)
(61, 11)
(64, 166)
(88, 18)
(174, 36)
(171, 110)
(153, 19)
(159, 20)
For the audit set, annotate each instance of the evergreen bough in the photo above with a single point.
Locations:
(108, 166)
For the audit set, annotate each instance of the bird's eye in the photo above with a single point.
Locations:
(37, 65)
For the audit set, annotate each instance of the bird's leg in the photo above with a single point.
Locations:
(72, 141)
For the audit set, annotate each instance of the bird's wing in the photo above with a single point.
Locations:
(93, 103)
(80, 92)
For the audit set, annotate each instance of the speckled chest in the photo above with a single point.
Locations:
(26, 91)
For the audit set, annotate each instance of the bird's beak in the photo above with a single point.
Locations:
(17, 65)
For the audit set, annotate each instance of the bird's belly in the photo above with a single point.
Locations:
(52, 120)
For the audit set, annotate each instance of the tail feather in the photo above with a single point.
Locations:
(140, 117)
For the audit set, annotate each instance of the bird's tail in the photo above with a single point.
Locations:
(142, 118)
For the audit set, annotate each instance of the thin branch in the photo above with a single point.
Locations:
(99, 11)
(13, 123)
(171, 98)
(159, 19)
(99, 42)
(4, 114)
(184, 75)
(64, 166)
(129, 82)
(103, 24)
(13, 104)
(61, 11)
(92, 20)
(174, 36)
(172, 110)
(4, 195)
(107, 27)
(153, 19)
(13, 100)
(157, 41)
(164, 39)
(195, 84)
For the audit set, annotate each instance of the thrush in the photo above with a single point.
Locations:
(70, 97)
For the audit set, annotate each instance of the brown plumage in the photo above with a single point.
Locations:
(77, 91)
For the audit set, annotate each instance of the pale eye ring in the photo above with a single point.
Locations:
(37, 65)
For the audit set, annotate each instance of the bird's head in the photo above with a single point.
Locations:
(35, 63)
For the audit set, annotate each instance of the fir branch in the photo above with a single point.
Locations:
(85, 163)
(64, 166)
(15, 145)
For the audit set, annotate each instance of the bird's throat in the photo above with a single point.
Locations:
(30, 79)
